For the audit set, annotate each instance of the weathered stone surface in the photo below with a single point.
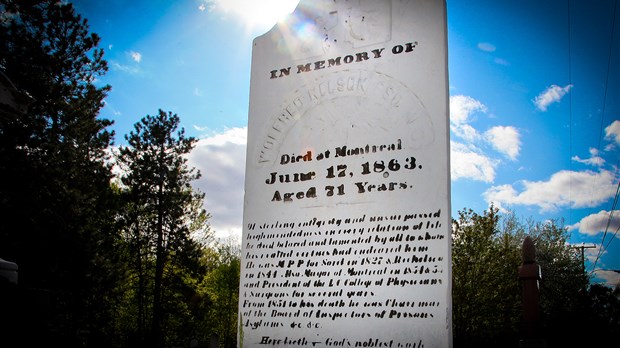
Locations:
(346, 235)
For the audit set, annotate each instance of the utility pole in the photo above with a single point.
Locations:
(583, 259)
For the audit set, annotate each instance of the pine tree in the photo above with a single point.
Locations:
(163, 212)
(55, 198)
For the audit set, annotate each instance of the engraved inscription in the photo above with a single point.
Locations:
(332, 267)
(346, 238)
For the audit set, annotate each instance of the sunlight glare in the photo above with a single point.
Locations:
(256, 14)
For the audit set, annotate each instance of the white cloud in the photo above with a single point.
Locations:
(237, 136)
(564, 188)
(487, 47)
(461, 110)
(462, 106)
(594, 160)
(201, 128)
(134, 70)
(221, 161)
(133, 67)
(136, 56)
(552, 94)
(611, 278)
(113, 152)
(501, 61)
(597, 223)
(468, 163)
(505, 140)
(263, 14)
(592, 253)
(612, 132)
(466, 132)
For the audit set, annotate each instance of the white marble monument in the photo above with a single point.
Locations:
(346, 237)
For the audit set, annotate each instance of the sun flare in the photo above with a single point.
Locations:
(256, 14)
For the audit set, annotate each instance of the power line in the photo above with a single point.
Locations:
(613, 208)
(611, 43)
(612, 237)
(570, 121)
(611, 212)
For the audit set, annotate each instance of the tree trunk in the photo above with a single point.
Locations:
(156, 334)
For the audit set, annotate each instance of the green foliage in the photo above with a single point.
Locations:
(161, 214)
(604, 312)
(132, 264)
(485, 279)
(101, 264)
(218, 293)
(222, 287)
(56, 205)
(487, 295)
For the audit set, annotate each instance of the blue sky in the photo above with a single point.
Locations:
(534, 101)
